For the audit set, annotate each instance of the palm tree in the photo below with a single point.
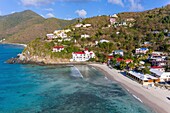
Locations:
(122, 65)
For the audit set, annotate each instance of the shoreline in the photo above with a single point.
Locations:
(18, 44)
(153, 98)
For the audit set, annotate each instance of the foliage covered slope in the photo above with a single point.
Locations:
(25, 26)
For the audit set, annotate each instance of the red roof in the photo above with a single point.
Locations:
(58, 47)
(119, 59)
(128, 60)
(156, 67)
(110, 57)
(81, 52)
(86, 49)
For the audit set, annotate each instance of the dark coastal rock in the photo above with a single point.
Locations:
(18, 61)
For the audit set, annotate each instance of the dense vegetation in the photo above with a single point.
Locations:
(148, 26)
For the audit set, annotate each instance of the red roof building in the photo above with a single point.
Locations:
(58, 48)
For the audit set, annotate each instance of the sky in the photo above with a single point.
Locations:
(70, 9)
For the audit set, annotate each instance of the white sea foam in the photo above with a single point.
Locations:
(137, 98)
(76, 72)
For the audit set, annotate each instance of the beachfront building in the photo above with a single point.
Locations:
(163, 76)
(58, 48)
(118, 52)
(141, 50)
(144, 79)
(82, 56)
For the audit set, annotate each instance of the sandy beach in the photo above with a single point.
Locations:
(155, 98)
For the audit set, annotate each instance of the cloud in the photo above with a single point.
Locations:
(135, 5)
(117, 2)
(81, 13)
(36, 2)
(49, 9)
(50, 15)
(44, 2)
(68, 18)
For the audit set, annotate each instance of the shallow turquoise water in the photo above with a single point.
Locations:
(60, 89)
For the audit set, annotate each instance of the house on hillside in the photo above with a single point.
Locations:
(58, 48)
(50, 36)
(85, 36)
(158, 59)
(112, 21)
(78, 25)
(82, 56)
(87, 25)
(60, 33)
(118, 52)
(141, 50)
(158, 68)
(103, 40)
(130, 20)
(114, 16)
(168, 34)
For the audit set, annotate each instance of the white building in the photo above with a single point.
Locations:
(50, 36)
(87, 25)
(82, 56)
(85, 36)
(141, 50)
(114, 16)
(143, 79)
(58, 48)
(61, 33)
(103, 40)
(78, 25)
(163, 76)
(118, 52)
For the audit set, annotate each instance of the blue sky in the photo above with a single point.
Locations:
(69, 9)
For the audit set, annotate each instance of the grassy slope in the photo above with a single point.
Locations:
(25, 26)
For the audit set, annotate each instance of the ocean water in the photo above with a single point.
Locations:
(60, 89)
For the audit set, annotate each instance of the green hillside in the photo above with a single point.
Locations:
(27, 25)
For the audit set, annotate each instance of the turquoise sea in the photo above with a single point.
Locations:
(60, 89)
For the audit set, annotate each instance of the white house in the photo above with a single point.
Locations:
(87, 25)
(118, 52)
(112, 21)
(50, 36)
(103, 40)
(58, 48)
(158, 68)
(141, 50)
(60, 34)
(85, 36)
(163, 76)
(78, 25)
(82, 56)
(114, 16)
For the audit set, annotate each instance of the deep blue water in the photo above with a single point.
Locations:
(60, 89)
